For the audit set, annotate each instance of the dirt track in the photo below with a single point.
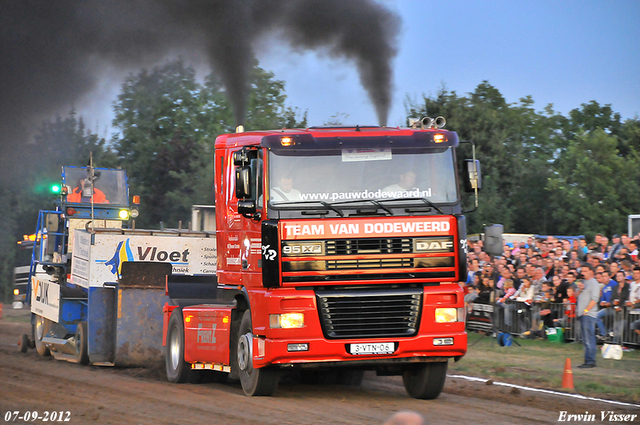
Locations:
(139, 396)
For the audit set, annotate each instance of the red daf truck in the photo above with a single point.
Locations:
(336, 249)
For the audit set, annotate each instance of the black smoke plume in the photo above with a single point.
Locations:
(52, 53)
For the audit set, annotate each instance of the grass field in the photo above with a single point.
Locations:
(540, 364)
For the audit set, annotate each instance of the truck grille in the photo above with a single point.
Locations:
(369, 246)
(388, 313)
(394, 263)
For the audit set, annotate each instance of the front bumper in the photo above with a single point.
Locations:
(323, 352)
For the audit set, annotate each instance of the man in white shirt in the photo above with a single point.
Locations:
(407, 180)
(285, 192)
(634, 297)
(634, 289)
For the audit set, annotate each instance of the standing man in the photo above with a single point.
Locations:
(587, 311)
(615, 248)
(608, 289)
(474, 266)
(538, 279)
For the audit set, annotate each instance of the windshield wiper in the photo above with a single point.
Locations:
(323, 203)
(373, 201)
(425, 200)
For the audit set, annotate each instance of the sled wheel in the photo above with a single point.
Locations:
(24, 343)
(40, 329)
(82, 352)
(255, 382)
(425, 381)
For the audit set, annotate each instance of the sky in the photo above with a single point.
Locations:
(564, 53)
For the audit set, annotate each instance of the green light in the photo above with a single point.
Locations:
(55, 188)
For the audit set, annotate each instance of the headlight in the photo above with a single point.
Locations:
(16, 291)
(134, 213)
(446, 315)
(286, 320)
(124, 214)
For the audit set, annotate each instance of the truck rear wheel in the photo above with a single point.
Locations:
(82, 352)
(178, 370)
(40, 329)
(255, 382)
(426, 380)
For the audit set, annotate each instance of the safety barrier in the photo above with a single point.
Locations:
(521, 318)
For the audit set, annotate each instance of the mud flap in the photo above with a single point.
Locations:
(101, 324)
(141, 296)
(139, 327)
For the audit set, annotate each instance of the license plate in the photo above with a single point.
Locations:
(372, 348)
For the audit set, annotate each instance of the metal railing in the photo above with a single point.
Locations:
(520, 318)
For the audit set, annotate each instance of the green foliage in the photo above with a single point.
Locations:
(169, 122)
(594, 185)
(543, 172)
(8, 225)
(61, 141)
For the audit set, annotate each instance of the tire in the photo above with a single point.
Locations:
(255, 382)
(178, 370)
(82, 351)
(351, 378)
(425, 381)
(24, 343)
(40, 329)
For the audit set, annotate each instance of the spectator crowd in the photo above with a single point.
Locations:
(544, 278)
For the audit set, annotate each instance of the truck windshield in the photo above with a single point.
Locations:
(363, 174)
(109, 186)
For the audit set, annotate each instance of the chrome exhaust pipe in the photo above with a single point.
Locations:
(426, 122)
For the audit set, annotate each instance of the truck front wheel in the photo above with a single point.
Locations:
(178, 370)
(426, 380)
(255, 382)
(40, 329)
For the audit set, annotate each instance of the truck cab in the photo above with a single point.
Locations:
(338, 249)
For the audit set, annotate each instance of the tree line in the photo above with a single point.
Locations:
(543, 172)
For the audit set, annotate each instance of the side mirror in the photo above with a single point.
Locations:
(243, 182)
(240, 157)
(247, 208)
(472, 178)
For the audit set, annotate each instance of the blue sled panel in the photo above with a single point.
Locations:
(139, 327)
(102, 324)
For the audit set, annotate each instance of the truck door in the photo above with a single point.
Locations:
(243, 210)
(251, 207)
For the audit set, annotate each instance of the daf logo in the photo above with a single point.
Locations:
(433, 245)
